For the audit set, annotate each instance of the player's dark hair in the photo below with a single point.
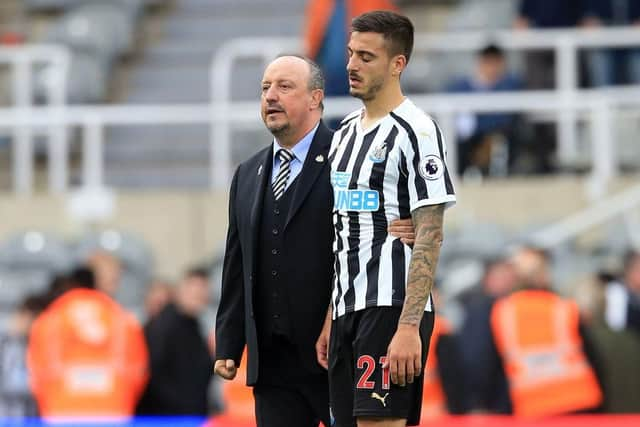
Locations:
(491, 51)
(396, 29)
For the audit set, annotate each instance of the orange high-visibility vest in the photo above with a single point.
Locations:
(537, 335)
(318, 15)
(434, 401)
(87, 357)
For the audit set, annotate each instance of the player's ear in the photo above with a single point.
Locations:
(398, 64)
(317, 96)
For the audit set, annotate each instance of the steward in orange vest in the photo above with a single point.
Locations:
(87, 357)
(538, 338)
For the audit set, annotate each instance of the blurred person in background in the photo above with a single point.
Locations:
(544, 350)
(612, 66)
(487, 142)
(16, 399)
(545, 14)
(86, 356)
(107, 270)
(278, 264)
(485, 387)
(159, 294)
(617, 346)
(539, 65)
(181, 363)
(326, 35)
(622, 298)
(442, 391)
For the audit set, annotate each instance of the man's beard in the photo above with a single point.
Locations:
(280, 129)
(370, 94)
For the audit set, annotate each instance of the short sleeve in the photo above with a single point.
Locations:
(425, 166)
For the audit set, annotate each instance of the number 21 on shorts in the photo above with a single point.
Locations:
(368, 363)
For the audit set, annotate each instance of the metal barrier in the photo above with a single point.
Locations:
(566, 103)
(594, 104)
(22, 59)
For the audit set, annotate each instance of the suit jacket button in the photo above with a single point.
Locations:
(250, 277)
(251, 314)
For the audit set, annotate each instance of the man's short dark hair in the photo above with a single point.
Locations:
(491, 51)
(396, 29)
(82, 277)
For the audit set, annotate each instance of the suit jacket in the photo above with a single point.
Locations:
(307, 251)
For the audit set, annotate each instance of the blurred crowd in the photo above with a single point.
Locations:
(74, 351)
(518, 335)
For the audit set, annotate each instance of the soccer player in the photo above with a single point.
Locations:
(387, 162)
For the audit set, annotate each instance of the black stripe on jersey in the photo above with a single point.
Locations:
(398, 281)
(348, 119)
(362, 153)
(346, 155)
(339, 248)
(421, 186)
(353, 260)
(447, 178)
(403, 188)
(376, 182)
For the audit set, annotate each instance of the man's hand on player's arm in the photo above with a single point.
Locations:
(403, 228)
(226, 368)
(404, 352)
(322, 344)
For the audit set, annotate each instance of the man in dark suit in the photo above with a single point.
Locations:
(278, 265)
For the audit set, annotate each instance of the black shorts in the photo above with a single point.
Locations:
(358, 387)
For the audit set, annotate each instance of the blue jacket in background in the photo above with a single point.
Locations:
(613, 12)
(552, 13)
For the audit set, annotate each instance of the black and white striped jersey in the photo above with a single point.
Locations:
(379, 175)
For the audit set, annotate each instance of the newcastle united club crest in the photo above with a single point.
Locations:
(379, 153)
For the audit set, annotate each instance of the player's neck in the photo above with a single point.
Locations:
(385, 101)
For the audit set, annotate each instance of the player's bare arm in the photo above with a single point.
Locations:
(404, 354)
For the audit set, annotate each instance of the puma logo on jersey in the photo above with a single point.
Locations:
(380, 398)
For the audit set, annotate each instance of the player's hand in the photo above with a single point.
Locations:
(404, 355)
(322, 344)
(404, 229)
(226, 368)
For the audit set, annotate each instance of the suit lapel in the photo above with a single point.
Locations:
(314, 163)
(263, 177)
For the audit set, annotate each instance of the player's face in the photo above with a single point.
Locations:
(369, 65)
(286, 99)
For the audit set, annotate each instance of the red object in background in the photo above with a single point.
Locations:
(11, 38)
(500, 421)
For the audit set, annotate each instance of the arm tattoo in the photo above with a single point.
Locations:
(422, 269)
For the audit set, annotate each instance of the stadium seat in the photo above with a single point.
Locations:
(105, 29)
(87, 80)
(34, 251)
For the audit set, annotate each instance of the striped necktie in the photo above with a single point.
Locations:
(280, 183)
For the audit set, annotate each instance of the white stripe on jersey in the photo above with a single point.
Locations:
(380, 175)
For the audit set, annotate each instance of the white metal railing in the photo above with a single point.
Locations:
(566, 103)
(594, 104)
(565, 43)
(22, 59)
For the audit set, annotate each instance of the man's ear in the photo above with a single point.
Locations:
(398, 64)
(317, 96)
